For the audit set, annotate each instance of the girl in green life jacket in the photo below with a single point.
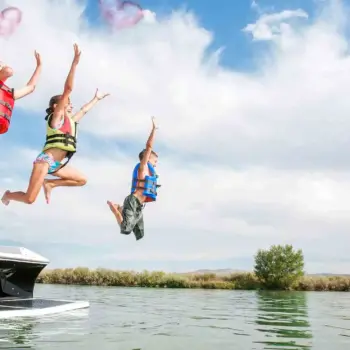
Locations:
(60, 145)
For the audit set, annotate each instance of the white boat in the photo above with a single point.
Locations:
(19, 269)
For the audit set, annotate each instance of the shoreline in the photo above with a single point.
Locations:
(159, 279)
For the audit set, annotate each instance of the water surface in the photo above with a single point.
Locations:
(174, 319)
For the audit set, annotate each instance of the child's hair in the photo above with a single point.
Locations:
(142, 153)
(53, 100)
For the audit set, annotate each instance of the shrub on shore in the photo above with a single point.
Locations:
(279, 267)
(159, 279)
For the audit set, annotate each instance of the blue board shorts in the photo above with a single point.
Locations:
(53, 165)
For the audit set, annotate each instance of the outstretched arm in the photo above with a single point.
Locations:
(86, 108)
(30, 87)
(58, 113)
(149, 146)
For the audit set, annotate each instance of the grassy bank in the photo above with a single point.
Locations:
(240, 281)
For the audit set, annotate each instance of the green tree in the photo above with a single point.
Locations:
(279, 267)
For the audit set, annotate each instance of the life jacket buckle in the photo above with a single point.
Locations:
(66, 137)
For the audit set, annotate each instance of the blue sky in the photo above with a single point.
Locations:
(225, 21)
(244, 163)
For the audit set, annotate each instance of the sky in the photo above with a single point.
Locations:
(252, 104)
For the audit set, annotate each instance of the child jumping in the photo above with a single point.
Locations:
(143, 190)
(61, 144)
(8, 96)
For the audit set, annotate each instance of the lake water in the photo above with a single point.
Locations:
(168, 319)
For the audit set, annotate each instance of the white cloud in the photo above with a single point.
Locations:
(252, 159)
(270, 26)
(149, 16)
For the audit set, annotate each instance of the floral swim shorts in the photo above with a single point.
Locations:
(53, 165)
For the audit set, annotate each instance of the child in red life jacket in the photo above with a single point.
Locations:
(143, 190)
(9, 95)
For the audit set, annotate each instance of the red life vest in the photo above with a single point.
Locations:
(6, 106)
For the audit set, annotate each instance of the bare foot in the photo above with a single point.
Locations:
(116, 210)
(4, 199)
(47, 191)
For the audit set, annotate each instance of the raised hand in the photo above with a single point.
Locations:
(77, 54)
(154, 123)
(38, 58)
(100, 96)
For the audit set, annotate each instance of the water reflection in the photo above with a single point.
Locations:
(24, 333)
(283, 318)
(16, 335)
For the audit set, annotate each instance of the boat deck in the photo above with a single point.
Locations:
(14, 307)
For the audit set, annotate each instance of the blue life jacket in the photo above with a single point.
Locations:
(150, 183)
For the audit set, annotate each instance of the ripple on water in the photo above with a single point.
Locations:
(163, 319)
(282, 317)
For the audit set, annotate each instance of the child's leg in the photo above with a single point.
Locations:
(117, 211)
(67, 177)
(127, 216)
(37, 177)
(139, 229)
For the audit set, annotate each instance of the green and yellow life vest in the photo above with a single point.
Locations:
(64, 138)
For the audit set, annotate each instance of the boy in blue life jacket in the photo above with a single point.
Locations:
(143, 190)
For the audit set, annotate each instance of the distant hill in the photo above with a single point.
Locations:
(328, 274)
(229, 271)
(217, 272)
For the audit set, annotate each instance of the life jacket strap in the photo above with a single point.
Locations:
(139, 180)
(6, 116)
(67, 139)
(146, 188)
(5, 88)
(7, 105)
(69, 156)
